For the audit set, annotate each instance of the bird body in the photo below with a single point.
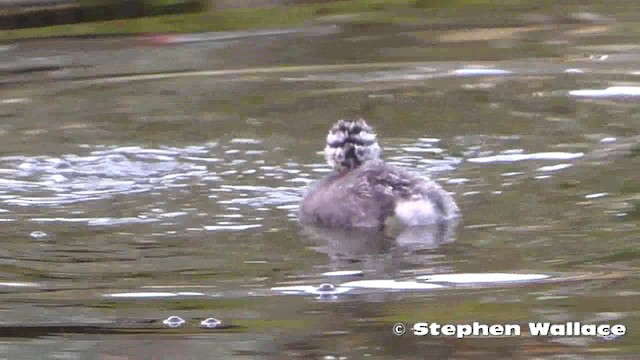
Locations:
(365, 192)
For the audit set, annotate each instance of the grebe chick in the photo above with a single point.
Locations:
(365, 192)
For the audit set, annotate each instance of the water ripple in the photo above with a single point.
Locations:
(96, 221)
(71, 178)
(471, 71)
(139, 295)
(522, 157)
(612, 91)
(231, 227)
(102, 172)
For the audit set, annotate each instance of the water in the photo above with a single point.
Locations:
(148, 191)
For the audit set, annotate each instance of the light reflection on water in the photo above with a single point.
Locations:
(175, 194)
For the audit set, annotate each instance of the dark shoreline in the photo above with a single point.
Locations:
(72, 12)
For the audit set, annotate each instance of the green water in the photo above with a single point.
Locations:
(184, 183)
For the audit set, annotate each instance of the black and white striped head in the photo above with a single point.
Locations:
(349, 144)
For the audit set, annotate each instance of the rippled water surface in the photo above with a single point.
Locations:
(149, 189)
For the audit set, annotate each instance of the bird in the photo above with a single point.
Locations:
(363, 191)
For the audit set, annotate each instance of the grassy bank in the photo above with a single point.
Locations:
(220, 20)
(254, 18)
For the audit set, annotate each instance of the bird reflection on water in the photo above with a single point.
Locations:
(367, 207)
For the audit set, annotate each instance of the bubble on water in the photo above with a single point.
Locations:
(210, 323)
(38, 234)
(609, 337)
(174, 321)
(326, 287)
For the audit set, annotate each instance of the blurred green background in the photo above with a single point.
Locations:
(46, 18)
